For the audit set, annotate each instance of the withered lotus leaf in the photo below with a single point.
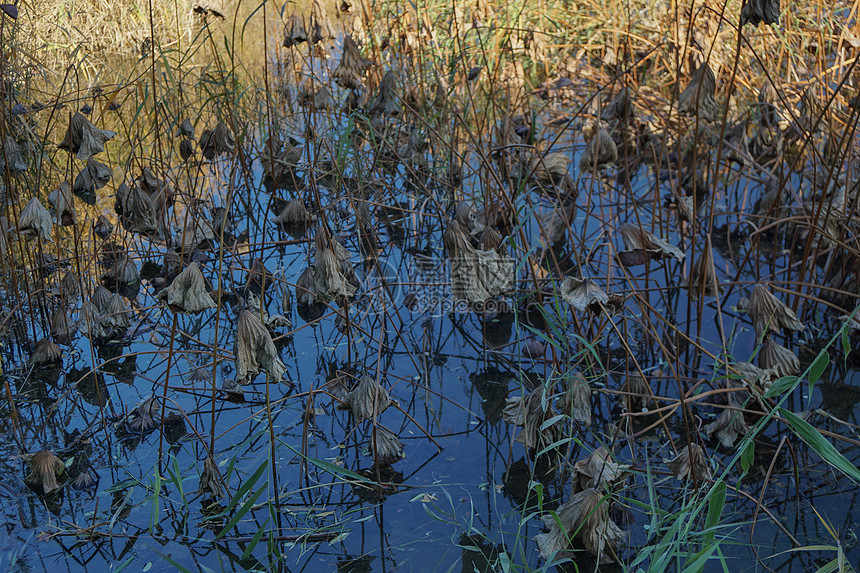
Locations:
(728, 426)
(83, 138)
(35, 221)
(294, 213)
(757, 12)
(531, 412)
(69, 287)
(385, 445)
(479, 275)
(185, 129)
(368, 399)
(703, 275)
(103, 227)
(63, 205)
(46, 470)
(91, 178)
(689, 462)
(123, 271)
(315, 98)
(385, 102)
(779, 359)
(582, 293)
(305, 287)
(319, 24)
(12, 155)
(642, 245)
(698, 96)
(101, 298)
(550, 167)
(349, 72)
(217, 141)
(600, 149)
(144, 417)
(254, 349)
(584, 516)
(91, 322)
(294, 31)
(330, 283)
(769, 314)
(46, 352)
(575, 401)
(598, 471)
(187, 293)
(209, 481)
(116, 316)
(63, 328)
(136, 209)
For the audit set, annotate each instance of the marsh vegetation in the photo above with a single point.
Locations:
(470, 286)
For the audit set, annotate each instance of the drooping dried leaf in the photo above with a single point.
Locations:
(216, 141)
(305, 287)
(769, 314)
(386, 446)
(368, 399)
(102, 227)
(83, 138)
(779, 359)
(479, 275)
(598, 471)
(587, 515)
(319, 25)
(63, 328)
(91, 322)
(137, 211)
(62, 204)
(46, 471)
(728, 426)
(145, 416)
(186, 149)
(315, 98)
(600, 149)
(123, 272)
(116, 317)
(187, 293)
(35, 221)
(575, 401)
(620, 108)
(703, 275)
(294, 214)
(698, 96)
(13, 155)
(329, 281)
(690, 461)
(551, 167)
(209, 480)
(642, 245)
(386, 101)
(534, 411)
(10, 10)
(582, 293)
(46, 352)
(348, 74)
(69, 287)
(294, 31)
(92, 177)
(757, 12)
(185, 129)
(101, 298)
(254, 349)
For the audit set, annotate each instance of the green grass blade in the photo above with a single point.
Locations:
(813, 438)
